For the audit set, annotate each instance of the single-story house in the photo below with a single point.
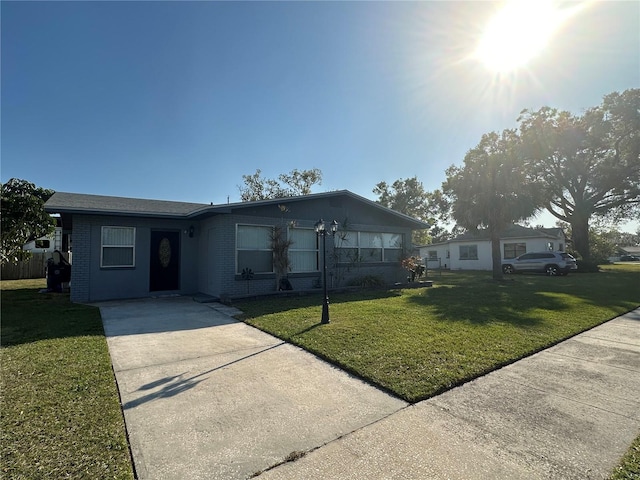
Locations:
(132, 248)
(626, 251)
(472, 250)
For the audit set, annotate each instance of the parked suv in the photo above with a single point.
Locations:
(551, 263)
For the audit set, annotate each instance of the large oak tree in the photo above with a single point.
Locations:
(587, 164)
(491, 189)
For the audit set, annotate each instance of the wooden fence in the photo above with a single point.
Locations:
(32, 268)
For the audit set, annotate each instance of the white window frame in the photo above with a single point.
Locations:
(315, 251)
(132, 246)
(268, 249)
(359, 248)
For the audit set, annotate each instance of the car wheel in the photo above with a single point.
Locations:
(508, 269)
(551, 270)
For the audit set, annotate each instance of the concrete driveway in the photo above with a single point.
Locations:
(208, 397)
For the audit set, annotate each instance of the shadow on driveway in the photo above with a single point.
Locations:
(262, 399)
(175, 384)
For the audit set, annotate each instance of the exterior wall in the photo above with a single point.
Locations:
(208, 260)
(218, 247)
(453, 262)
(442, 256)
(90, 282)
(222, 278)
(482, 263)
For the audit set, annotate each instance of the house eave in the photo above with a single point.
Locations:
(199, 211)
(118, 213)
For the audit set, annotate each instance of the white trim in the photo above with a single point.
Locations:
(132, 247)
(358, 246)
(252, 249)
(315, 251)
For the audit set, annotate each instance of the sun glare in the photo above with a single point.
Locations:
(517, 33)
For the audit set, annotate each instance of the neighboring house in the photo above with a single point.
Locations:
(626, 250)
(130, 248)
(472, 250)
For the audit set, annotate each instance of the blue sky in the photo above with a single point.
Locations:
(177, 100)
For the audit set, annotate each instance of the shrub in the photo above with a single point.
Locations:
(366, 281)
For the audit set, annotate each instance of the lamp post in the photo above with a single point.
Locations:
(321, 231)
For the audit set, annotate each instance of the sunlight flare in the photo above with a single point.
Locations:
(518, 33)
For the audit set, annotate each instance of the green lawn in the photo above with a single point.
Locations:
(60, 411)
(629, 468)
(417, 343)
(60, 415)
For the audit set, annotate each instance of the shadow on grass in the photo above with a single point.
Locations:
(481, 302)
(283, 304)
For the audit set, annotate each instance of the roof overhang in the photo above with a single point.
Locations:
(80, 204)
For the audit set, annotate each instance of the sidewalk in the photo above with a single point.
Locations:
(208, 397)
(569, 412)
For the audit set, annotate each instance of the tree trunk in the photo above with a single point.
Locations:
(496, 256)
(580, 236)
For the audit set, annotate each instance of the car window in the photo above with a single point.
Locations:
(548, 255)
(526, 256)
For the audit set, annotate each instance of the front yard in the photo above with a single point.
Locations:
(418, 343)
(60, 410)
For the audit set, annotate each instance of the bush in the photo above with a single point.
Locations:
(366, 281)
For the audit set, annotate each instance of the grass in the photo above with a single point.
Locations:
(629, 467)
(418, 343)
(60, 415)
(60, 410)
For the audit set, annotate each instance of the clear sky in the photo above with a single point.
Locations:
(177, 100)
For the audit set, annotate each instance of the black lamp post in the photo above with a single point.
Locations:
(322, 231)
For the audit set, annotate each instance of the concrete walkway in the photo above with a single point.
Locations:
(205, 396)
(208, 397)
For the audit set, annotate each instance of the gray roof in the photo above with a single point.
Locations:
(63, 202)
(77, 203)
(630, 250)
(513, 231)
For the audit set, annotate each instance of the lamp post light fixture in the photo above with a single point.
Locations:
(321, 231)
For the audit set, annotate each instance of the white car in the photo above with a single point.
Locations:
(551, 263)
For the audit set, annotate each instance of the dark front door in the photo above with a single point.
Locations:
(165, 261)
